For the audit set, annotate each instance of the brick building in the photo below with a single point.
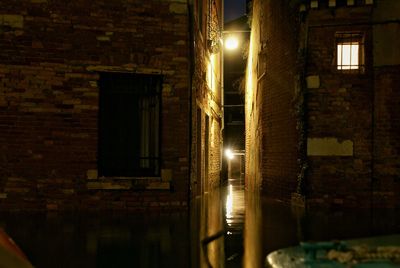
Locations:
(271, 137)
(101, 103)
(206, 106)
(322, 102)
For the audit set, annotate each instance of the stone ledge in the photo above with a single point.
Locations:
(128, 184)
(108, 185)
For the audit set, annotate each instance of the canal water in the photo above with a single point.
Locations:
(224, 228)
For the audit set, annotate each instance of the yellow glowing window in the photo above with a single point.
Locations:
(349, 52)
(348, 56)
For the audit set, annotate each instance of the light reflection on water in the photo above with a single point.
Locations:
(253, 227)
(234, 218)
(207, 221)
(234, 207)
(229, 205)
(253, 253)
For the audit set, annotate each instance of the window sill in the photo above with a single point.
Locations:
(129, 183)
(350, 72)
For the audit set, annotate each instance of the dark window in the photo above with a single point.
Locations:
(129, 125)
(206, 152)
(200, 14)
(198, 156)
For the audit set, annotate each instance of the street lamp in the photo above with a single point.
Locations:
(231, 42)
(229, 154)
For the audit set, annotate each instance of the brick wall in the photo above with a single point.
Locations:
(348, 123)
(352, 108)
(279, 138)
(253, 162)
(206, 103)
(387, 129)
(50, 56)
(339, 108)
(273, 135)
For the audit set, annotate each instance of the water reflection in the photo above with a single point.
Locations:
(234, 207)
(101, 239)
(207, 226)
(253, 255)
(246, 228)
(229, 205)
(234, 221)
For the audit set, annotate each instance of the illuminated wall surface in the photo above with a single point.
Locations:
(206, 99)
(321, 102)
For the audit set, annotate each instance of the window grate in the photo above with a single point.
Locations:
(350, 52)
(129, 125)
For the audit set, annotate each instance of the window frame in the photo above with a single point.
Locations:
(137, 170)
(344, 38)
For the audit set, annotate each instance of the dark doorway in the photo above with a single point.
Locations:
(198, 157)
(129, 125)
(206, 152)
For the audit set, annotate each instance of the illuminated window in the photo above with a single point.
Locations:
(349, 51)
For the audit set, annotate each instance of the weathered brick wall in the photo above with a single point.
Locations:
(50, 53)
(338, 108)
(386, 184)
(215, 153)
(280, 138)
(350, 118)
(206, 100)
(270, 125)
(253, 164)
(271, 121)
(353, 111)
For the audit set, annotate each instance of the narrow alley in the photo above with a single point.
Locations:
(196, 133)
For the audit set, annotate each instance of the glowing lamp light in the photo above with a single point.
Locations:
(229, 154)
(231, 43)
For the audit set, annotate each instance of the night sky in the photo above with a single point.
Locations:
(234, 9)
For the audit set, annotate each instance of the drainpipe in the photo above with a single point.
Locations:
(190, 84)
(373, 179)
(302, 117)
(305, 116)
(191, 73)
